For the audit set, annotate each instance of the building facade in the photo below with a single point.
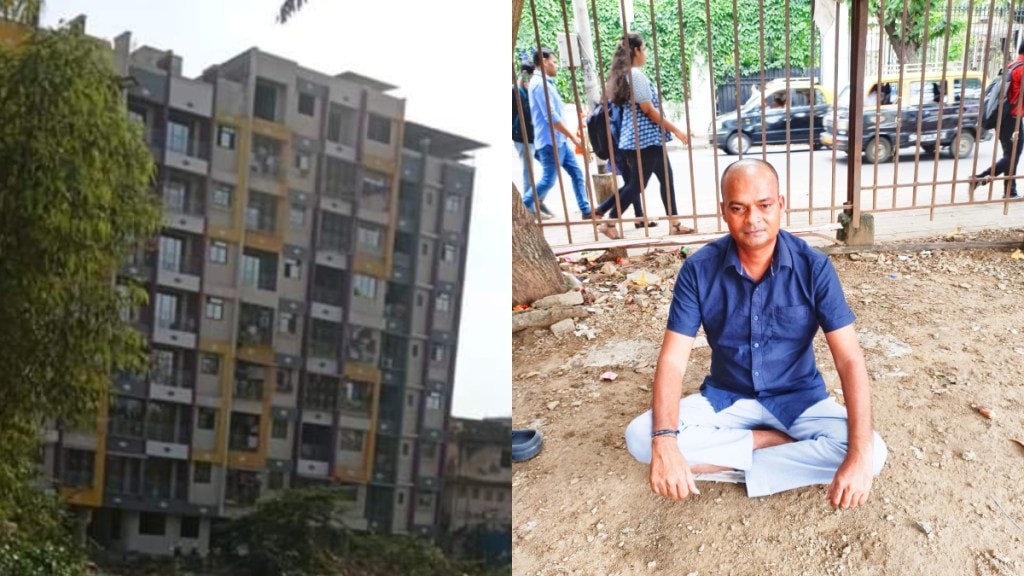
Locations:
(477, 509)
(303, 314)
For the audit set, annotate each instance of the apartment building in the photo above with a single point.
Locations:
(304, 303)
(477, 509)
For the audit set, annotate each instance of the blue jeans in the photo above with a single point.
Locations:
(546, 155)
(526, 157)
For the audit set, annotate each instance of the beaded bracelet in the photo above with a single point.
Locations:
(664, 432)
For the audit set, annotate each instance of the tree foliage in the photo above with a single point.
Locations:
(910, 24)
(23, 11)
(74, 197)
(302, 533)
(676, 19)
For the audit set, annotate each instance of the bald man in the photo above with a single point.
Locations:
(763, 415)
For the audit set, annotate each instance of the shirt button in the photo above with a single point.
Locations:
(756, 344)
(755, 318)
(757, 373)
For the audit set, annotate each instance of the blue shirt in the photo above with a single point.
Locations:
(650, 133)
(539, 111)
(761, 333)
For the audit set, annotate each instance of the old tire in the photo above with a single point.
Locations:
(962, 147)
(878, 151)
(737, 143)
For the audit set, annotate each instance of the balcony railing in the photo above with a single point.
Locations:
(314, 452)
(249, 389)
(167, 433)
(185, 380)
(185, 324)
(332, 296)
(244, 442)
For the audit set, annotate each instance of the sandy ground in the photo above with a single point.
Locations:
(941, 330)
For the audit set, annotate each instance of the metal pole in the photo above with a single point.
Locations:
(858, 37)
(581, 20)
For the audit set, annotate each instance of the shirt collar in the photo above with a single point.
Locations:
(782, 258)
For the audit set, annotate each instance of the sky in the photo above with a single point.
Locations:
(453, 77)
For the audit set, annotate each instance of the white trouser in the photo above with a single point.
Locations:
(725, 439)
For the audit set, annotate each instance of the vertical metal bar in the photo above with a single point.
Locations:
(878, 112)
(789, 119)
(711, 67)
(984, 84)
(899, 112)
(761, 108)
(943, 94)
(838, 11)
(736, 68)
(920, 104)
(686, 108)
(813, 95)
(663, 180)
(962, 101)
(858, 40)
(579, 123)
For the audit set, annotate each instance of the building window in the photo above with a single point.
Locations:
(219, 253)
(279, 429)
(506, 458)
(405, 448)
(425, 501)
(307, 102)
(419, 299)
(78, 468)
(433, 401)
(170, 253)
(443, 302)
(292, 269)
(401, 498)
(152, 524)
(166, 310)
(428, 450)
(298, 215)
(302, 163)
(364, 286)
(206, 419)
(424, 249)
(452, 204)
(410, 400)
(226, 136)
(222, 195)
(202, 473)
(350, 440)
(189, 527)
(261, 213)
(275, 480)
(209, 364)
(174, 196)
(287, 323)
(437, 352)
(449, 252)
(378, 128)
(415, 351)
(285, 381)
(177, 138)
(214, 308)
(369, 236)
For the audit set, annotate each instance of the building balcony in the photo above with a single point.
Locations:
(331, 257)
(175, 388)
(171, 450)
(192, 223)
(181, 279)
(313, 468)
(244, 442)
(180, 333)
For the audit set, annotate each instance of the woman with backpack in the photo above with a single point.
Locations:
(1009, 125)
(642, 136)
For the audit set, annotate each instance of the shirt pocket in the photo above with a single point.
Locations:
(793, 323)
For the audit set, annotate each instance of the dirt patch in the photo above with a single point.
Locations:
(941, 330)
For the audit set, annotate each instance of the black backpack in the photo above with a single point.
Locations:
(597, 129)
(993, 94)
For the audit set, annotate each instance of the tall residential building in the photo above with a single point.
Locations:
(304, 303)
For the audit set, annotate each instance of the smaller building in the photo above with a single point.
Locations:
(476, 513)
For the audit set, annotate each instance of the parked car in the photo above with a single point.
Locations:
(896, 105)
(785, 112)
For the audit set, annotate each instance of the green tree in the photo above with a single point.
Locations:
(23, 11)
(74, 197)
(910, 24)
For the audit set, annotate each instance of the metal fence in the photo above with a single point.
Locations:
(907, 138)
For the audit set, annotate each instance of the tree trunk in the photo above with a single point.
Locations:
(535, 271)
